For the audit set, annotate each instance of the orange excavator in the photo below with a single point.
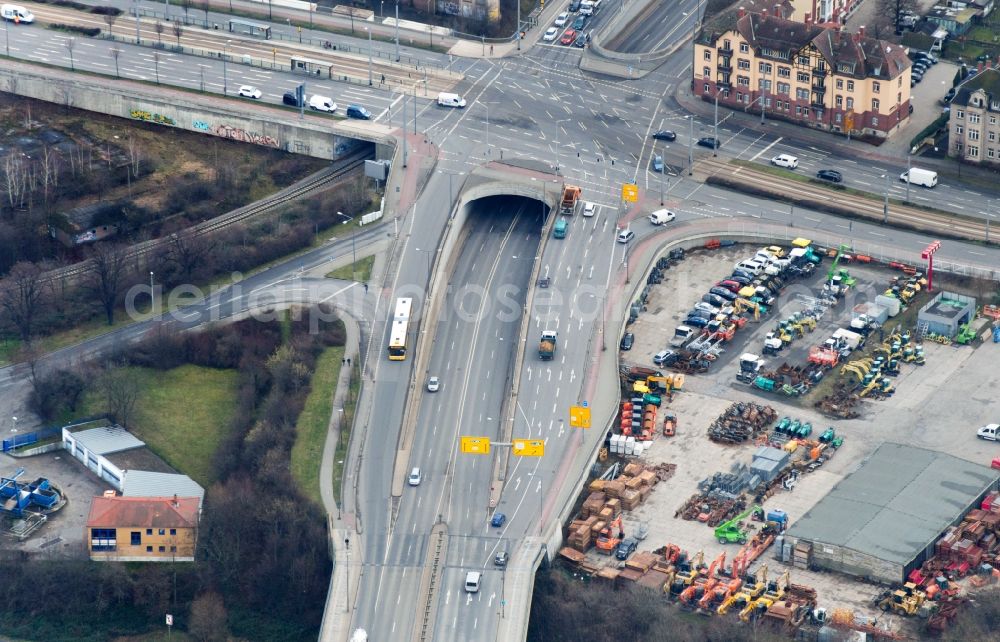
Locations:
(670, 424)
(711, 581)
(610, 536)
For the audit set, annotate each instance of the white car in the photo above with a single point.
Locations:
(433, 384)
(625, 236)
(249, 91)
(589, 209)
(551, 34)
(561, 19)
(785, 160)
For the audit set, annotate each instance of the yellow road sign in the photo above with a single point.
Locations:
(529, 447)
(579, 416)
(476, 445)
(630, 192)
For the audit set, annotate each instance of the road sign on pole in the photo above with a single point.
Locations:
(529, 447)
(476, 445)
(630, 192)
(579, 416)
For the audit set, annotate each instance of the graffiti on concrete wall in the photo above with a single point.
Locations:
(242, 135)
(150, 117)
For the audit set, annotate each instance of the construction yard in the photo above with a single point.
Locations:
(937, 405)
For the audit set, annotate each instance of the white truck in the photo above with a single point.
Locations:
(989, 432)
(917, 176)
(682, 334)
(772, 343)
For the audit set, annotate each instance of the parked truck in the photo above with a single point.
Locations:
(570, 199)
(917, 176)
(547, 346)
(750, 366)
(682, 335)
(989, 432)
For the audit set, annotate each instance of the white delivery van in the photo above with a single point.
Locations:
(322, 103)
(16, 13)
(586, 8)
(917, 176)
(989, 432)
(450, 100)
(472, 579)
(659, 217)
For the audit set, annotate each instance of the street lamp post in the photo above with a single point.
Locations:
(369, 56)
(691, 144)
(885, 206)
(135, 5)
(662, 172)
(427, 255)
(225, 72)
(907, 177)
(763, 91)
(6, 31)
(397, 30)
(715, 132)
(152, 295)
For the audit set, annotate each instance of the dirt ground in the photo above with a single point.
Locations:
(937, 406)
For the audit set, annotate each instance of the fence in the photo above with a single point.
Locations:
(46, 432)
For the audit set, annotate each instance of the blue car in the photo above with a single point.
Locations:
(359, 112)
(658, 163)
(696, 322)
(498, 520)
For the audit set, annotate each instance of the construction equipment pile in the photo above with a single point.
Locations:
(710, 509)
(741, 422)
(608, 498)
(841, 403)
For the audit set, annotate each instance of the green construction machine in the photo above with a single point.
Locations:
(730, 532)
(965, 335)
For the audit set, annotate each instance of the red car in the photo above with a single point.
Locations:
(732, 286)
(568, 37)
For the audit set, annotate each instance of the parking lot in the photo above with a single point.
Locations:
(937, 406)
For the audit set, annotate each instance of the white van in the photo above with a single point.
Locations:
(917, 176)
(450, 100)
(753, 267)
(659, 217)
(586, 8)
(472, 579)
(415, 477)
(322, 103)
(16, 13)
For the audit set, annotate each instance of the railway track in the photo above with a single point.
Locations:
(852, 205)
(304, 187)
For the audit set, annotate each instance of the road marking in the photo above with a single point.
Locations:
(758, 155)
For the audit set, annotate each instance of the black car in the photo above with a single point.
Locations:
(290, 99)
(742, 277)
(831, 175)
(581, 40)
(575, 5)
(626, 547)
(724, 293)
(921, 67)
(627, 341)
(713, 299)
(665, 134)
(709, 142)
(950, 95)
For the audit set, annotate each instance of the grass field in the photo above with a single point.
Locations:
(360, 271)
(310, 431)
(181, 414)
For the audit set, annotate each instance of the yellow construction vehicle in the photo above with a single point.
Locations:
(741, 305)
(905, 601)
(808, 323)
(684, 579)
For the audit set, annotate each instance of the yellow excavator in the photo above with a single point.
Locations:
(750, 592)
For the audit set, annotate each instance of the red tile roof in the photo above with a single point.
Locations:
(143, 512)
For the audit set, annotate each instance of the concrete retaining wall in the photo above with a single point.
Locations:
(191, 112)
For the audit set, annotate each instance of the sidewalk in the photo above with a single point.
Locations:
(336, 618)
(806, 136)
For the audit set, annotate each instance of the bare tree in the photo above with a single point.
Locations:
(889, 15)
(134, 155)
(205, 6)
(156, 66)
(186, 251)
(121, 391)
(70, 45)
(178, 32)
(158, 26)
(111, 19)
(208, 618)
(106, 273)
(115, 54)
(22, 297)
